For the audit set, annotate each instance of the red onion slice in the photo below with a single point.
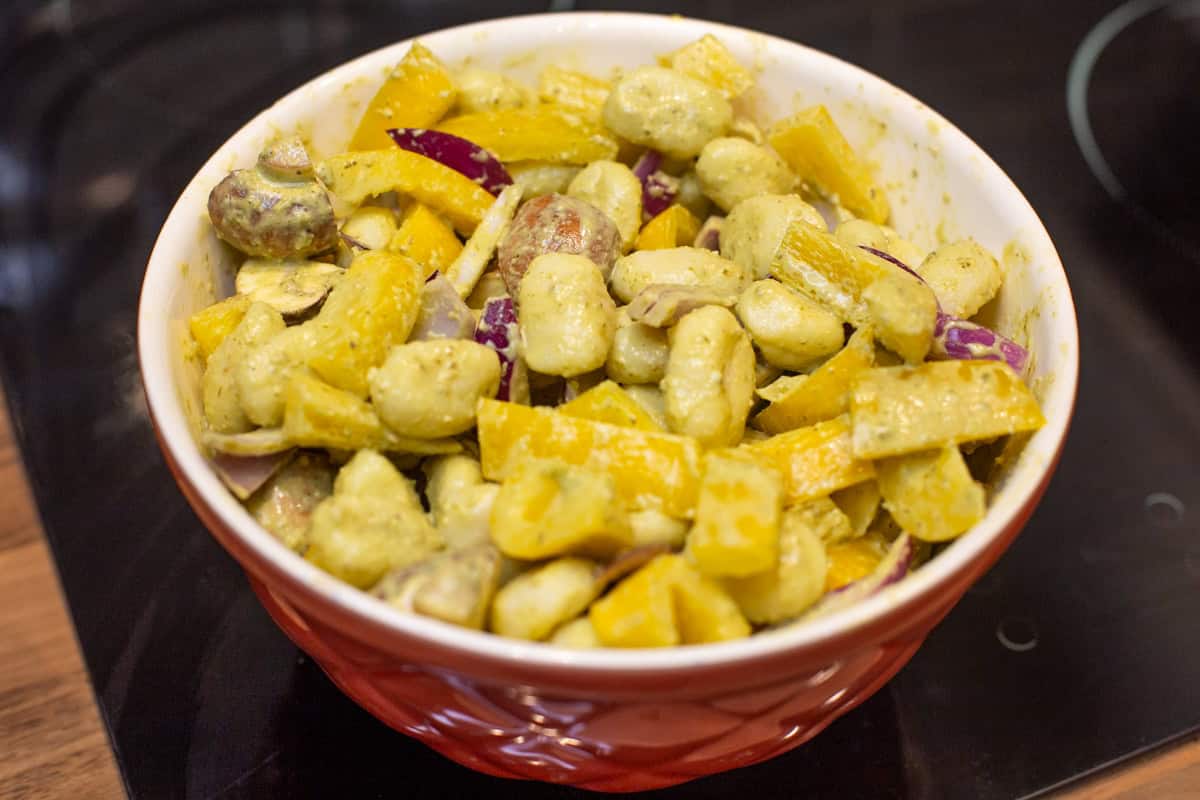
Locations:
(658, 188)
(245, 475)
(455, 152)
(955, 338)
(443, 313)
(498, 329)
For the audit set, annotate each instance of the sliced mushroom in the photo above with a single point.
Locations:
(244, 475)
(286, 161)
(455, 586)
(277, 209)
(661, 305)
(293, 288)
(285, 504)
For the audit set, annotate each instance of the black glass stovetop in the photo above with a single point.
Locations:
(1079, 649)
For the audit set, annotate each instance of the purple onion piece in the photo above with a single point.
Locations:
(892, 569)
(460, 155)
(956, 338)
(647, 163)
(658, 188)
(245, 475)
(709, 237)
(658, 192)
(498, 329)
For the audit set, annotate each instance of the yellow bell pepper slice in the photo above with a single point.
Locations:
(798, 580)
(814, 461)
(708, 60)
(853, 560)
(863, 289)
(813, 146)
(608, 402)
(664, 603)
(534, 134)
(353, 177)
(931, 495)
(825, 393)
(417, 94)
(548, 508)
(859, 504)
(425, 237)
(673, 227)
(318, 415)
(737, 518)
(650, 470)
(575, 91)
(900, 410)
(210, 326)
(373, 307)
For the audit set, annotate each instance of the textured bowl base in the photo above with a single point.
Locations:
(609, 745)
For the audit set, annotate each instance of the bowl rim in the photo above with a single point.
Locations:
(921, 587)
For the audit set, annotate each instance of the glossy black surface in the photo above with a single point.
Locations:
(1080, 648)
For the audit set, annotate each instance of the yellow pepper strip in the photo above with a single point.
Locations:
(900, 410)
(548, 509)
(353, 177)
(608, 402)
(853, 560)
(318, 415)
(534, 134)
(425, 237)
(737, 518)
(576, 91)
(708, 60)
(667, 602)
(813, 146)
(417, 94)
(210, 326)
(931, 495)
(814, 461)
(859, 504)
(673, 227)
(373, 307)
(825, 393)
(815, 263)
(650, 470)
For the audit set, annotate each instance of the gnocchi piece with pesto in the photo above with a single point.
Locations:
(583, 362)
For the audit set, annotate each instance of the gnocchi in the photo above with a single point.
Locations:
(567, 317)
(731, 170)
(666, 110)
(686, 266)
(709, 382)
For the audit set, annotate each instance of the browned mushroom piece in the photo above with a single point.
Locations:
(276, 210)
(555, 223)
(454, 586)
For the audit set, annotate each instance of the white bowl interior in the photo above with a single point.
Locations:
(957, 191)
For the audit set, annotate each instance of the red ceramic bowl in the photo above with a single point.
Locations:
(609, 719)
